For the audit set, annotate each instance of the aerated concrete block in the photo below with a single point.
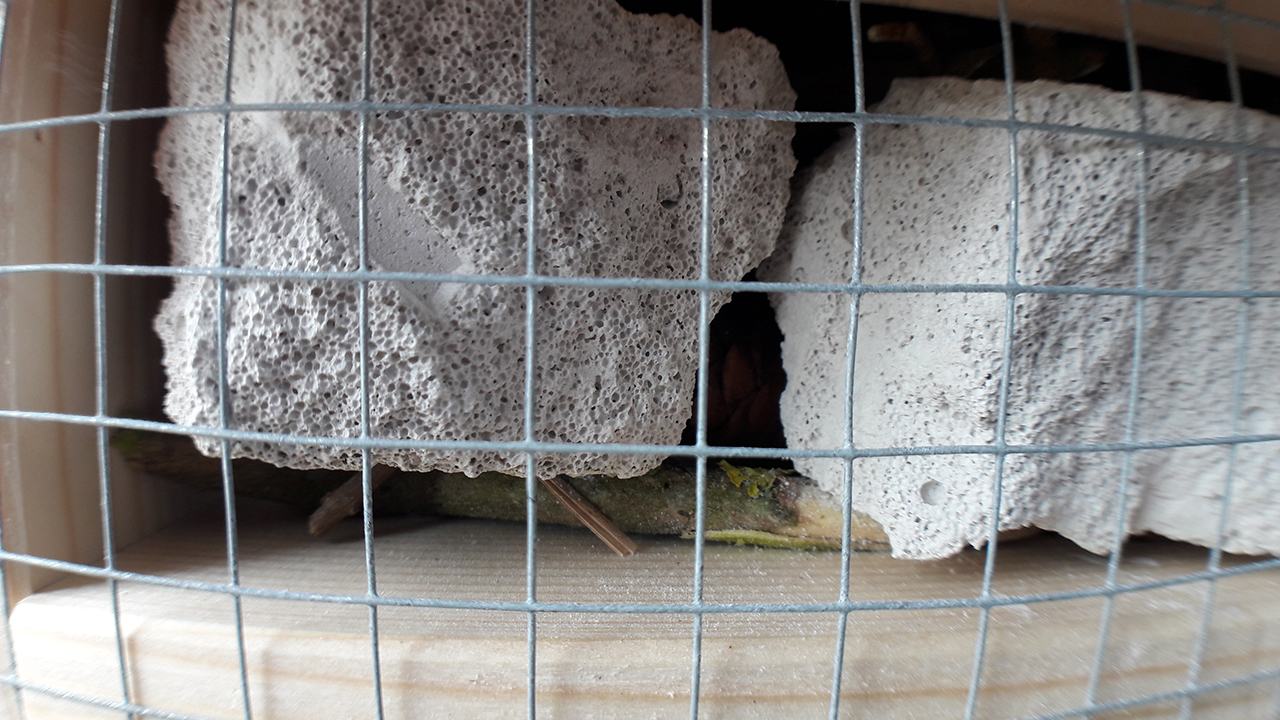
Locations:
(929, 365)
(448, 193)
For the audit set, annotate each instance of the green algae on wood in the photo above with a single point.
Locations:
(760, 538)
(758, 506)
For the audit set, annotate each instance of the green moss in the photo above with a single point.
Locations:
(760, 538)
(755, 479)
(663, 501)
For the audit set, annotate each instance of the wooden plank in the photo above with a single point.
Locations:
(52, 66)
(1178, 31)
(48, 491)
(309, 660)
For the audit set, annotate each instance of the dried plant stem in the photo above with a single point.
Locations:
(591, 516)
(761, 506)
(346, 500)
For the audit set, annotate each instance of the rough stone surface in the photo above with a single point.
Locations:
(928, 366)
(617, 197)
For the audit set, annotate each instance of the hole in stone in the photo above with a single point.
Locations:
(932, 493)
(744, 375)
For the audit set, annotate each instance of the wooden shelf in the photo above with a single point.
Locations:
(1183, 31)
(312, 660)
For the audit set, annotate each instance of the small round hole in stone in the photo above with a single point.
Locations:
(932, 492)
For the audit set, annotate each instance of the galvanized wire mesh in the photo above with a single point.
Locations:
(843, 606)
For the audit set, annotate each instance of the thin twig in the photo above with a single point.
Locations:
(345, 500)
(590, 516)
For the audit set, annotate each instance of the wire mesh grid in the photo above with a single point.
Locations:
(843, 606)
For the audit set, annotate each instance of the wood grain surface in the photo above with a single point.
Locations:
(313, 660)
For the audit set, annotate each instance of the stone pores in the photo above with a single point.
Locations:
(928, 365)
(616, 197)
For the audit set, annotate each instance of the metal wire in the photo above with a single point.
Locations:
(1241, 365)
(531, 281)
(225, 414)
(1135, 370)
(704, 362)
(91, 571)
(100, 339)
(540, 281)
(362, 250)
(1011, 298)
(851, 351)
(530, 356)
(868, 117)
(672, 450)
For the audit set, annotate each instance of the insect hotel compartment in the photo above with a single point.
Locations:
(1057, 358)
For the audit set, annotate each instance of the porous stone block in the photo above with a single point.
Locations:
(929, 365)
(447, 189)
